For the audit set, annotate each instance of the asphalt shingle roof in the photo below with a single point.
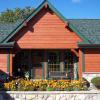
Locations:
(90, 28)
(7, 28)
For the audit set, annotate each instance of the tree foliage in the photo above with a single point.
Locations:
(13, 15)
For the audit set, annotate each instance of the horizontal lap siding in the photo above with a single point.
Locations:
(46, 30)
(3, 62)
(92, 60)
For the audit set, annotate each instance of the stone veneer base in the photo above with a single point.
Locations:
(52, 95)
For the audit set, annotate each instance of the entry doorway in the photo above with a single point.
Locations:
(21, 64)
(30, 61)
(37, 60)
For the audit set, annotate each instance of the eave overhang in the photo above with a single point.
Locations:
(88, 45)
(7, 45)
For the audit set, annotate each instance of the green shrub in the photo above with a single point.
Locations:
(50, 89)
(96, 81)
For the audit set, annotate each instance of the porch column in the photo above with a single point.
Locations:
(9, 63)
(31, 65)
(75, 60)
(80, 64)
(62, 61)
(45, 66)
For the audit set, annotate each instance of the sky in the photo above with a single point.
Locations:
(69, 8)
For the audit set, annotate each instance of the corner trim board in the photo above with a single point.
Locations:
(83, 61)
(8, 63)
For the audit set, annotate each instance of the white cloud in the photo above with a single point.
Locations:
(76, 1)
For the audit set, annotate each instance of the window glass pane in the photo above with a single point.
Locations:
(54, 61)
(68, 60)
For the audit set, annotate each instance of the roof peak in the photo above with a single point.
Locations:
(46, 0)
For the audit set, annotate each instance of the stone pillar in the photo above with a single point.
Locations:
(62, 61)
(45, 66)
(75, 61)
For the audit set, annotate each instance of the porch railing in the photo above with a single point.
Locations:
(54, 72)
(58, 75)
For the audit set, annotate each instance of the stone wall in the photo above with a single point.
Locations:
(55, 95)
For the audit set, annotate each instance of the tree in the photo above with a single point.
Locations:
(13, 15)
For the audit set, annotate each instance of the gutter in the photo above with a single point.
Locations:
(7, 45)
(89, 45)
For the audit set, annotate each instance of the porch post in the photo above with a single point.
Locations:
(62, 61)
(9, 63)
(80, 63)
(75, 60)
(31, 65)
(45, 65)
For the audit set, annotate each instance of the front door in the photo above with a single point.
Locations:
(37, 65)
(21, 64)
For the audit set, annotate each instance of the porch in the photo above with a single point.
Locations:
(46, 64)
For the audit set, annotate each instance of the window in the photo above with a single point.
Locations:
(53, 61)
(68, 60)
(37, 58)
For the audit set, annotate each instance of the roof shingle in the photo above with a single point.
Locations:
(90, 28)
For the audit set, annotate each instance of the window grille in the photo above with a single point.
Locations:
(53, 61)
(69, 64)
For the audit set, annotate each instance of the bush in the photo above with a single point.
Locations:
(96, 81)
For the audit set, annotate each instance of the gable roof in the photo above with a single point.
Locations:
(87, 29)
(32, 15)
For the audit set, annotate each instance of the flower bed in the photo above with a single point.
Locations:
(45, 85)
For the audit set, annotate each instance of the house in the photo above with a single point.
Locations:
(46, 42)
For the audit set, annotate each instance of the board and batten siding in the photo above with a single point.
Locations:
(92, 60)
(46, 31)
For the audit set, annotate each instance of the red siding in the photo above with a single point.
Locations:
(3, 61)
(92, 60)
(46, 31)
